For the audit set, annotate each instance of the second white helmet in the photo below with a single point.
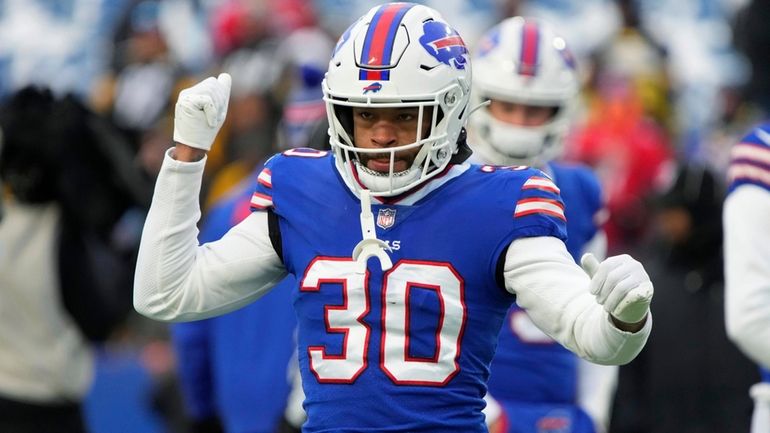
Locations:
(522, 61)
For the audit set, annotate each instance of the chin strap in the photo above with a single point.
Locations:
(370, 246)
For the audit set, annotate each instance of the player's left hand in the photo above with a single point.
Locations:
(621, 285)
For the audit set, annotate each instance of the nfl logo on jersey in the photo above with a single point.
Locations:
(386, 217)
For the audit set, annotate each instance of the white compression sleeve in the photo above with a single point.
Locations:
(554, 292)
(747, 271)
(178, 280)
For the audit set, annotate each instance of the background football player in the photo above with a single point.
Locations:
(526, 74)
(747, 268)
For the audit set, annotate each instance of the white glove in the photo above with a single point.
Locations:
(200, 111)
(621, 285)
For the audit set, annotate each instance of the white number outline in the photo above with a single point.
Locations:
(313, 359)
(306, 152)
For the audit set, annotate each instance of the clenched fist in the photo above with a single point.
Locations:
(200, 112)
(621, 285)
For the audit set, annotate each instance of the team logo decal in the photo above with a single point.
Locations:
(554, 422)
(444, 44)
(386, 217)
(489, 41)
(374, 88)
(566, 54)
(344, 38)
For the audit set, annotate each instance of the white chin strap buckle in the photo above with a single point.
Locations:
(370, 246)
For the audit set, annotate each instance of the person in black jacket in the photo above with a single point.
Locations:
(689, 378)
(72, 210)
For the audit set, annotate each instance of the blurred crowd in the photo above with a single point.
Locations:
(87, 89)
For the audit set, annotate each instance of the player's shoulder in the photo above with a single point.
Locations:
(576, 174)
(298, 159)
(293, 165)
(759, 135)
(506, 174)
(288, 172)
(750, 159)
(514, 178)
(528, 190)
(571, 168)
(525, 196)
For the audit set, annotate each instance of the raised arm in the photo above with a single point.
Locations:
(177, 280)
(574, 309)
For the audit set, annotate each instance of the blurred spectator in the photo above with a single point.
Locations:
(752, 38)
(623, 136)
(701, 61)
(253, 116)
(306, 53)
(62, 45)
(69, 235)
(238, 24)
(139, 89)
(689, 378)
(627, 150)
(276, 96)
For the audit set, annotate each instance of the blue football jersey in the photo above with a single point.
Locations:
(407, 349)
(533, 377)
(750, 165)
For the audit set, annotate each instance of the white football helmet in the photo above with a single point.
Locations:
(522, 61)
(398, 55)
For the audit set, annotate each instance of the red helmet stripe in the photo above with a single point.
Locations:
(529, 49)
(378, 43)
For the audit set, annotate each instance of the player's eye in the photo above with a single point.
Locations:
(366, 115)
(407, 115)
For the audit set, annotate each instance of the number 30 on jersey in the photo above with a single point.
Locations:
(348, 319)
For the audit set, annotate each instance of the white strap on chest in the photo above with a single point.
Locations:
(370, 246)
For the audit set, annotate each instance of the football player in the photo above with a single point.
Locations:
(525, 75)
(747, 267)
(407, 257)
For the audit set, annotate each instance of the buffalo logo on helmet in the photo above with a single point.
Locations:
(566, 53)
(444, 44)
(556, 421)
(374, 88)
(344, 38)
(489, 41)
